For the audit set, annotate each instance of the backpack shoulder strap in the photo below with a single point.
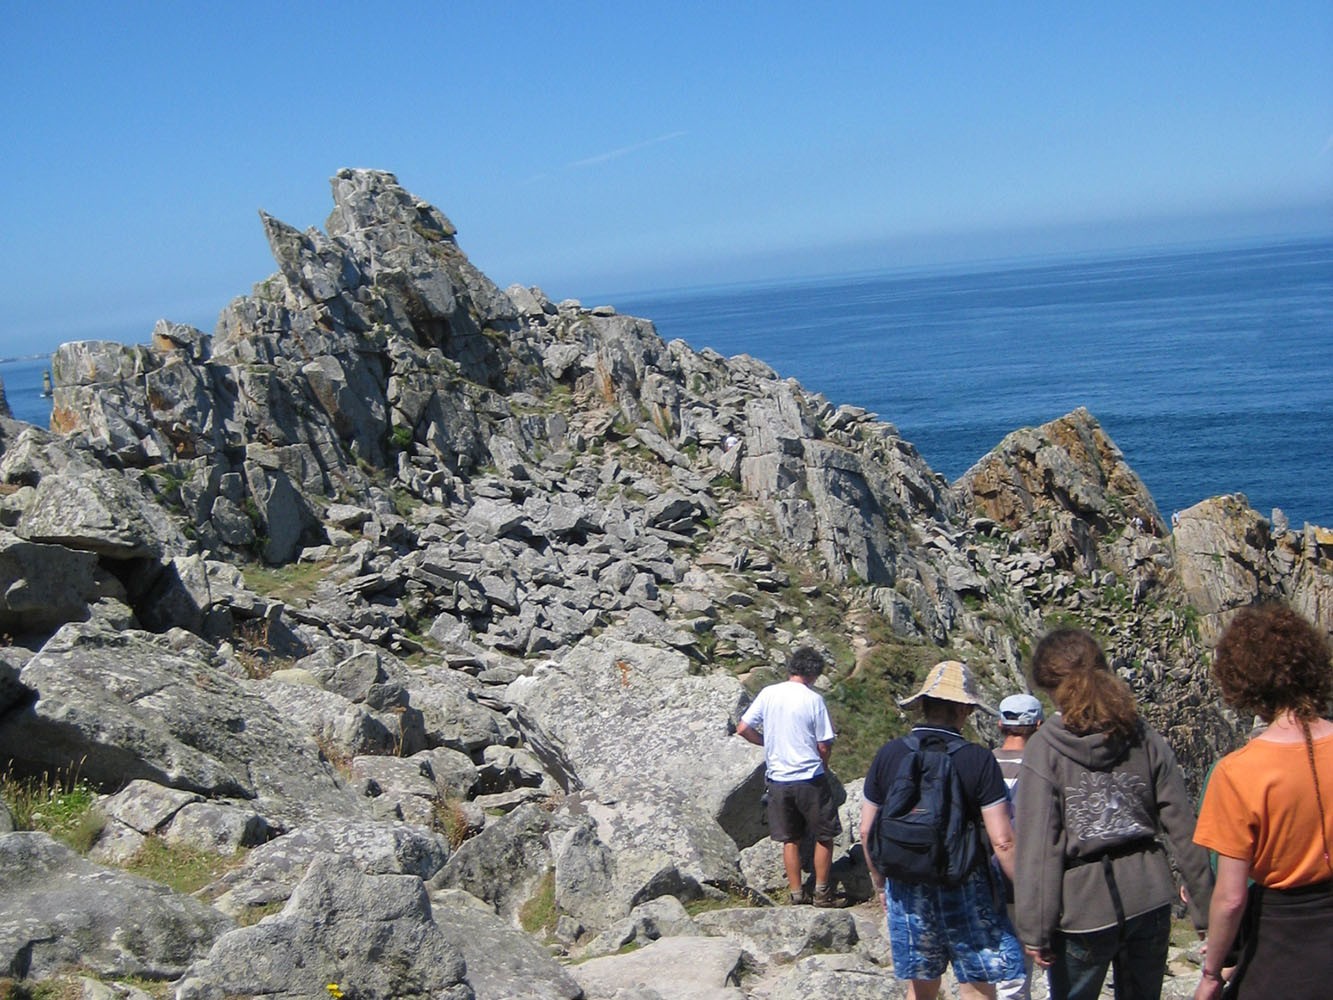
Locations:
(905, 780)
(970, 808)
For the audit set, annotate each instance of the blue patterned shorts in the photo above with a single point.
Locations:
(929, 926)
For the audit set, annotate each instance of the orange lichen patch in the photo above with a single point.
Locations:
(606, 386)
(64, 420)
(623, 667)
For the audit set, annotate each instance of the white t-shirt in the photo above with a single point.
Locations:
(793, 719)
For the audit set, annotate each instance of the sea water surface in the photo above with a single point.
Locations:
(23, 388)
(1212, 369)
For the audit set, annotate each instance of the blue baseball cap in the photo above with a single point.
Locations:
(1020, 710)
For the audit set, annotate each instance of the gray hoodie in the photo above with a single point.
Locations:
(1082, 797)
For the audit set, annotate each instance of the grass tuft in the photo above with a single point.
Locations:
(734, 899)
(538, 914)
(448, 818)
(293, 583)
(180, 867)
(58, 803)
(70, 986)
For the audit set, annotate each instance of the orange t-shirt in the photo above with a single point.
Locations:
(1260, 805)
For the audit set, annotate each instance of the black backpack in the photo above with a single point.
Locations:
(924, 832)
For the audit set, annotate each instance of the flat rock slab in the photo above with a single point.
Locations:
(685, 968)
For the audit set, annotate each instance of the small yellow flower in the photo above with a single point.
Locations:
(335, 991)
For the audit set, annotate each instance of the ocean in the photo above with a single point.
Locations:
(1211, 369)
(23, 388)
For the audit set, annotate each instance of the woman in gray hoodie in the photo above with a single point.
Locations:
(1099, 787)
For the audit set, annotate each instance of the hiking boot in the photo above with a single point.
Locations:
(799, 897)
(826, 900)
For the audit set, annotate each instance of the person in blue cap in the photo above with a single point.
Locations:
(1020, 715)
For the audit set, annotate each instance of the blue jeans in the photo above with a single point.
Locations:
(1136, 953)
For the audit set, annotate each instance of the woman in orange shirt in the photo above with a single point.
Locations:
(1265, 813)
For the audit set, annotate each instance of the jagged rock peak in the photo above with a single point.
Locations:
(364, 199)
(1068, 464)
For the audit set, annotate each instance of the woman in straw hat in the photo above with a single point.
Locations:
(1094, 887)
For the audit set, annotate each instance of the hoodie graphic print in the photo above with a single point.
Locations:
(1108, 807)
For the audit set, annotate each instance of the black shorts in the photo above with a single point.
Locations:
(798, 808)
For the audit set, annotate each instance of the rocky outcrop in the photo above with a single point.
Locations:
(439, 603)
(1231, 556)
(1064, 489)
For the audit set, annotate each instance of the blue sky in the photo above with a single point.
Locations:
(596, 148)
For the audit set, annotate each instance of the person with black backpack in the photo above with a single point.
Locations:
(933, 810)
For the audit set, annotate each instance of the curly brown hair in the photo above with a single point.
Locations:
(1270, 660)
(1072, 667)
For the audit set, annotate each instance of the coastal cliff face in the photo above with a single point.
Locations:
(437, 600)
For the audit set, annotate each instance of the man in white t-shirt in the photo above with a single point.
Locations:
(790, 721)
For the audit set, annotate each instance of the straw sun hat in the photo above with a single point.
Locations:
(950, 681)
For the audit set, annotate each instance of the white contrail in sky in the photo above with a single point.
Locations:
(626, 150)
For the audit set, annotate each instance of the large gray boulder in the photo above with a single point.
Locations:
(45, 586)
(201, 595)
(847, 977)
(783, 934)
(272, 870)
(126, 705)
(664, 916)
(615, 718)
(503, 963)
(99, 510)
(622, 851)
(1229, 555)
(373, 935)
(97, 391)
(505, 863)
(340, 727)
(60, 910)
(645, 743)
(835, 483)
(454, 717)
(1222, 551)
